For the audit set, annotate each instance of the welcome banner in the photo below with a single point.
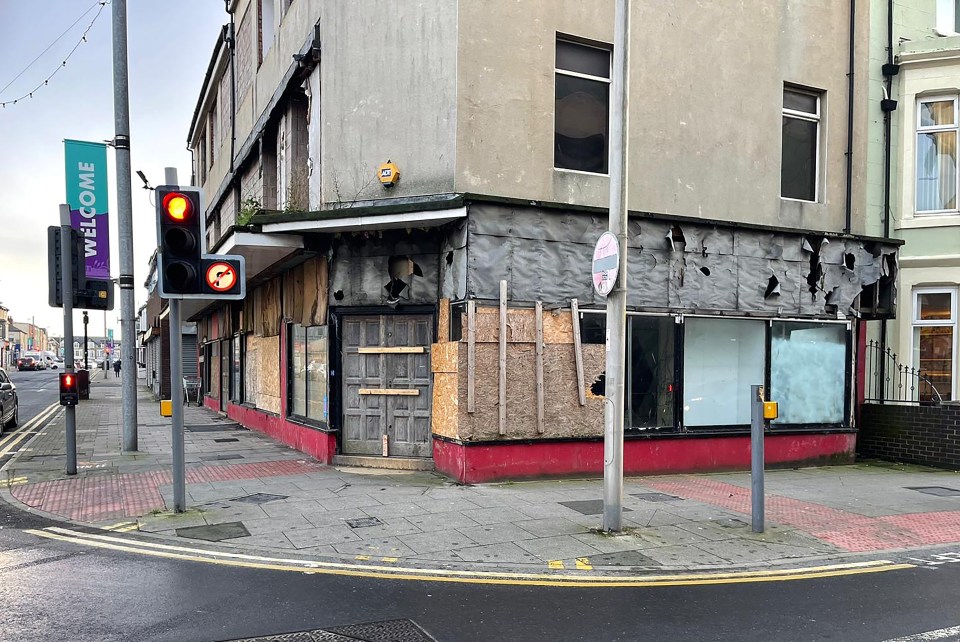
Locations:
(87, 187)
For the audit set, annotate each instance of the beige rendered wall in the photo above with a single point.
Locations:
(706, 94)
(388, 90)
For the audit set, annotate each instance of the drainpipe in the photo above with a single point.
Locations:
(232, 45)
(887, 163)
(853, 33)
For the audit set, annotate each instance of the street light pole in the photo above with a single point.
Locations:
(617, 299)
(121, 101)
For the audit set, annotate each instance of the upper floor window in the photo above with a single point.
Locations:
(800, 153)
(268, 20)
(935, 337)
(948, 16)
(582, 111)
(937, 155)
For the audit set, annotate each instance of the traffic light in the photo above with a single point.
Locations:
(69, 389)
(55, 269)
(180, 237)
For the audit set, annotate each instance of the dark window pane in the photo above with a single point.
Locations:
(593, 328)
(582, 124)
(798, 167)
(798, 101)
(650, 372)
(582, 59)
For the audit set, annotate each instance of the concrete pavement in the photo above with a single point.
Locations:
(247, 493)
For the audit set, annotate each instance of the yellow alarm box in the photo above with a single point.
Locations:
(770, 410)
(166, 408)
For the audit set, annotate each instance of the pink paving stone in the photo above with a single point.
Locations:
(843, 529)
(101, 497)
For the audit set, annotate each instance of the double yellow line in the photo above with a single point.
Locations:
(224, 558)
(14, 439)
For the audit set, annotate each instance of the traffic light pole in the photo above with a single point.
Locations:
(67, 290)
(176, 389)
(121, 102)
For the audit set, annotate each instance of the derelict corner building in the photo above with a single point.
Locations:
(447, 319)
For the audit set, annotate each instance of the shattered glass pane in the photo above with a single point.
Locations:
(808, 372)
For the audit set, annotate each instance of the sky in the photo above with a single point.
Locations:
(169, 47)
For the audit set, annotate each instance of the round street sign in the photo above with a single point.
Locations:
(606, 263)
(221, 277)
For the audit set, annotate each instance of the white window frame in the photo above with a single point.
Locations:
(575, 74)
(930, 129)
(947, 17)
(813, 118)
(917, 322)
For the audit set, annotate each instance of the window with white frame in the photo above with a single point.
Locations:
(582, 108)
(937, 155)
(935, 337)
(948, 16)
(800, 145)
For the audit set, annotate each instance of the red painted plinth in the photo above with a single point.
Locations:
(316, 443)
(490, 462)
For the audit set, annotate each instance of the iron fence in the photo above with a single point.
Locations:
(889, 381)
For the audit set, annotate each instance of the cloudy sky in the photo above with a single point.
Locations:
(169, 46)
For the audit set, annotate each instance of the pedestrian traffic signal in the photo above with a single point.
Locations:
(180, 240)
(69, 389)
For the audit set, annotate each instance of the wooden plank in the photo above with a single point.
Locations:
(503, 358)
(400, 392)
(443, 321)
(578, 350)
(471, 355)
(539, 367)
(393, 350)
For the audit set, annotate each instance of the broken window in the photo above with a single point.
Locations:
(400, 268)
(582, 111)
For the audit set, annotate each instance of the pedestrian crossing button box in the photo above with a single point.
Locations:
(770, 410)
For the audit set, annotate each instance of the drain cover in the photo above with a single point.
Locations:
(225, 440)
(656, 497)
(215, 532)
(588, 506)
(388, 631)
(259, 498)
(939, 491)
(363, 522)
(219, 457)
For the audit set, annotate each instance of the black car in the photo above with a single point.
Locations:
(9, 404)
(28, 363)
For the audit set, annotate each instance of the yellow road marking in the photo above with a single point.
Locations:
(583, 564)
(362, 558)
(557, 564)
(452, 576)
(391, 560)
(16, 481)
(8, 443)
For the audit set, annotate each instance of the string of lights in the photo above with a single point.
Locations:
(46, 81)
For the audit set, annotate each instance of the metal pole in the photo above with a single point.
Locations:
(121, 103)
(86, 355)
(756, 458)
(66, 290)
(617, 300)
(176, 389)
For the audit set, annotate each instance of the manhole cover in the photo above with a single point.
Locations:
(588, 506)
(259, 498)
(939, 491)
(389, 631)
(215, 532)
(656, 497)
(363, 522)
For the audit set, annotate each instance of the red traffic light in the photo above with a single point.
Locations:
(68, 381)
(177, 206)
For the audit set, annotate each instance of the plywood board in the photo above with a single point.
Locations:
(471, 355)
(557, 327)
(445, 411)
(444, 357)
(443, 321)
(269, 376)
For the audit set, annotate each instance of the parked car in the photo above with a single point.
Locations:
(28, 363)
(9, 404)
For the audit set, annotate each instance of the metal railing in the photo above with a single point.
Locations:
(889, 381)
